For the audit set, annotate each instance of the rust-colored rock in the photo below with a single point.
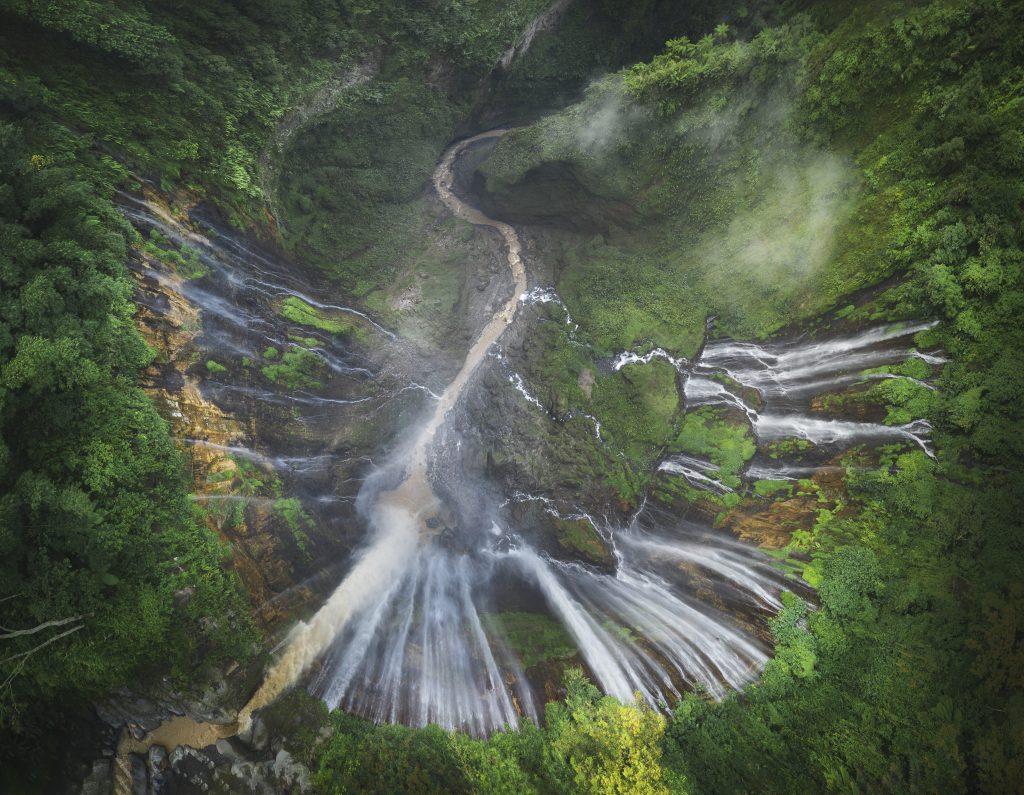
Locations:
(170, 324)
(772, 526)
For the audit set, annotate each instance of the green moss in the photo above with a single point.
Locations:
(215, 367)
(245, 480)
(434, 268)
(290, 509)
(781, 448)
(555, 364)
(579, 535)
(298, 369)
(354, 204)
(621, 300)
(534, 637)
(726, 442)
(905, 400)
(739, 214)
(271, 353)
(298, 311)
(185, 260)
(638, 407)
(770, 488)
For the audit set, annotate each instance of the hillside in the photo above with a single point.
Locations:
(729, 502)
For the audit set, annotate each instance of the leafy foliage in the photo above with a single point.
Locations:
(883, 687)
(535, 637)
(880, 691)
(95, 525)
(590, 744)
(762, 176)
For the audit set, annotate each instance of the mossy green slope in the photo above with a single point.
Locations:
(762, 179)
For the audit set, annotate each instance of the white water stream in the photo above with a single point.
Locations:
(409, 634)
(405, 637)
(785, 376)
(402, 518)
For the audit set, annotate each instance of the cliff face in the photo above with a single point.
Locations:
(227, 487)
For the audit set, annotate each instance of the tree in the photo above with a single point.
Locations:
(596, 744)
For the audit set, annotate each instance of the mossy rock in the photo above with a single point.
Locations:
(298, 311)
(534, 637)
(579, 536)
(721, 436)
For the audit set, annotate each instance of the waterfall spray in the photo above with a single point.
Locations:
(400, 518)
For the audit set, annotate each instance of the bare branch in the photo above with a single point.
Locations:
(39, 628)
(42, 645)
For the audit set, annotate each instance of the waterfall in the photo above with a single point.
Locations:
(422, 654)
(380, 564)
(411, 633)
(403, 638)
(401, 519)
(785, 376)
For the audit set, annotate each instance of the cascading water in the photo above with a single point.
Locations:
(410, 633)
(785, 376)
(406, 636)
(422, 654)
(403, 517)
(694, 470)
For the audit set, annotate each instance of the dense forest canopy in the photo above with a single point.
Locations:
(905, 121)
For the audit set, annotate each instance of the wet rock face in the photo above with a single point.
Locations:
(256, 735)
(209, 380)
(552, 194)
(772, 527)
(261, 761)
(192, 769)
(505, 449)
(140, 776)
(100, 780)
(216, 768)
(158, 768)
(519, 447)
(170, 324)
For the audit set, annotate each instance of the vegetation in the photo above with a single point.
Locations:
(725, 440)
(589, 743)
(761, 173)
(298, 368)
(580, 536)
(290, 509)
(298, 311)
(535, 637)
(894, 684)
(768, 488)
(106, 568)
(186, 261)
(639, 405)
(903, 679)
(98, 534)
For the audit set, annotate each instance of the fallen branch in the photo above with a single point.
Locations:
(58, 622)
(8, 682)
(42, 645)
